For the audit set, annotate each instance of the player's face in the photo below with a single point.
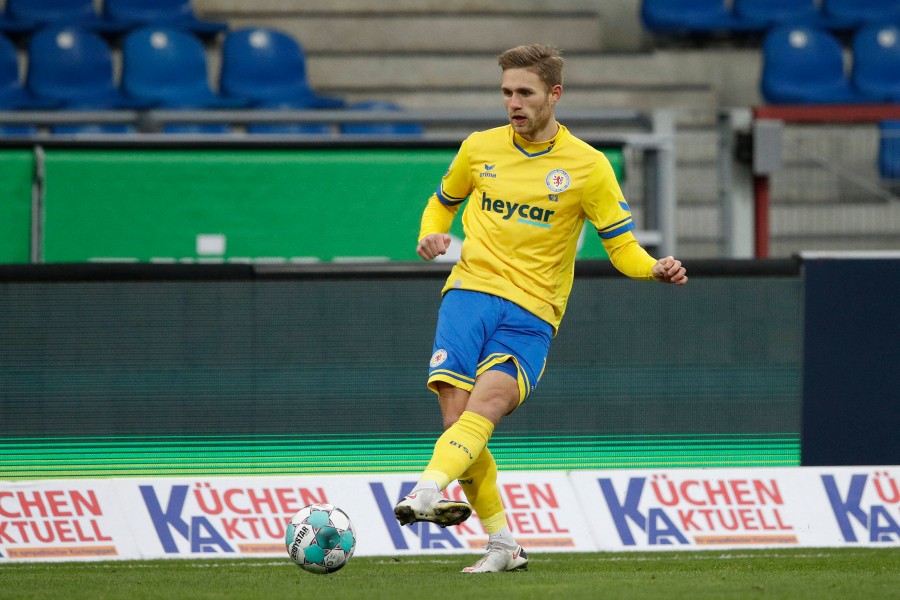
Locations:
(529, 104)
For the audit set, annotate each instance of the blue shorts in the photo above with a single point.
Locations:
(477, 332)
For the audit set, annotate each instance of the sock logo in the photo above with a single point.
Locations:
(463, 448)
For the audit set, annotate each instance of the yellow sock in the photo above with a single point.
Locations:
(479, 482)
(458, 448)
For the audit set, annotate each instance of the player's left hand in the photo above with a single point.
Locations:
(669, 270)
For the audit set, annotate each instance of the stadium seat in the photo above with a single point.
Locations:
(383, 128)
(876, 62)
(853, 14)
(889, 151)
(687, 16)
(167, 67)
(13, 95)
(765, 14)
(74, 67)
(42, 13)
(167, 13)
(804, 65)
(268, 68)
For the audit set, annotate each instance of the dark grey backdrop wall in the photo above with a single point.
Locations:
(316, 370)
(851, 383)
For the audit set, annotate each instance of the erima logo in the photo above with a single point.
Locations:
(488, 168)
(527, 214)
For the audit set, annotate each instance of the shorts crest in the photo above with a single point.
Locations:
(438, 358)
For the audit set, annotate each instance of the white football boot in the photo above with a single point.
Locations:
(431, 506)
(500, 558)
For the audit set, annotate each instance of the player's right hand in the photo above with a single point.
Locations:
(433, 245)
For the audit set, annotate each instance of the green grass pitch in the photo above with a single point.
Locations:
(793, 574)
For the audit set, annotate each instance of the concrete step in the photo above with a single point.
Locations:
(738, 71)
(617, 21)
(430, 32)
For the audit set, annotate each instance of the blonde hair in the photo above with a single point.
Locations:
(545, 61)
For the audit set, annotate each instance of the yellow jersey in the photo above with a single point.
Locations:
(527, 207)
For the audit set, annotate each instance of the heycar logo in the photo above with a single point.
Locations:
(873, 515)
(525, 213)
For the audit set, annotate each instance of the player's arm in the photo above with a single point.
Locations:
(630, 258)
(442, 207)
(436, 221)
(606, 207)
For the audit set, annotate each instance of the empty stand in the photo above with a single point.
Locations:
(804, 65)
(876, 62)
(168, 13)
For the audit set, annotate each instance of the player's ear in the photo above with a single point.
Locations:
(555, 93)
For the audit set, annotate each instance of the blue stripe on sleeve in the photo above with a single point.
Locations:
(616, 224)
(611, 234)
(447, 200)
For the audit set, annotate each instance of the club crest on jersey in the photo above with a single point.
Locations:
(558, 181)
(438, 358)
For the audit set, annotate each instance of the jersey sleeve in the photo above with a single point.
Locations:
(457, 182)
(444, 203)
(605, 206)
(604, 203)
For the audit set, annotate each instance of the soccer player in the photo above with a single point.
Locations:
(530, 184)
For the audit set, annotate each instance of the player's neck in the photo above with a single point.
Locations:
(544, 135)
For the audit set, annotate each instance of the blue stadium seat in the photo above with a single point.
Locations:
(687, 16)
(268, 68)
(13, 95)
(167, 67)
(876, 62)
(43, 13)
(167, 13)
(804, 65)
(74, 67)
(766, 14)
(889, 151)
(853, 14)
(383, 128)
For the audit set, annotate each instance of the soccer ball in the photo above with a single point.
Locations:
(320, 538)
